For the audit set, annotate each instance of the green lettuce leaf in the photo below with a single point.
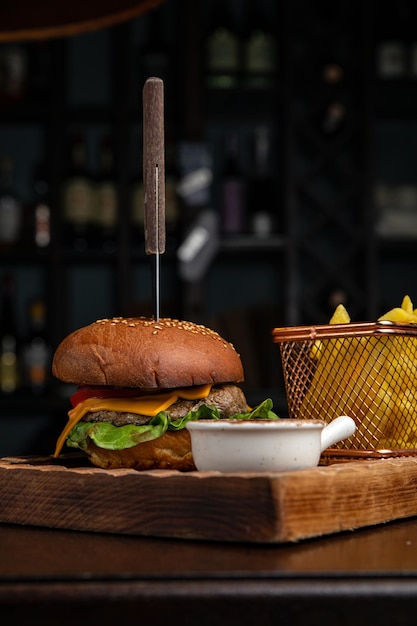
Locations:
(262, 411)
(110, 437)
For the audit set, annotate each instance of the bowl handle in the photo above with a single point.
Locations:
(340, 428)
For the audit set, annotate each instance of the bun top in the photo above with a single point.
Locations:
(145, 353)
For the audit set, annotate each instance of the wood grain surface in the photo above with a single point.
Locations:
(269, 508)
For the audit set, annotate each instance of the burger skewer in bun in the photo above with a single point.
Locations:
(139, 381)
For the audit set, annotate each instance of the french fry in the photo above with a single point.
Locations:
(399, 315)
(340, 316)
(403, 314)
(407, 305)
(374, 379)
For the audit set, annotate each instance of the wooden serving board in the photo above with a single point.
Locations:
(271, 508)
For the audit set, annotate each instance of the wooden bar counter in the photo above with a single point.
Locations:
(50, 576)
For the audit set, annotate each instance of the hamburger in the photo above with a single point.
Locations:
(139, 381)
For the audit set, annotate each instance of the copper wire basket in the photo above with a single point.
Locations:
(365, 370)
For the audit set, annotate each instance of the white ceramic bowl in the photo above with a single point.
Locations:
(264, 445)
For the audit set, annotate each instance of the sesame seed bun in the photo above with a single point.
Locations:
(146, 354)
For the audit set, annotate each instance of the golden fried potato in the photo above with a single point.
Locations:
(402, 315)
(340, 316)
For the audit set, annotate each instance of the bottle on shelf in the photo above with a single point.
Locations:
(78, 198)
(10, 206)
(13, 72)
(36, 351)
(106, 211)
(391, 49)
(232, 189)
(9, 339)
(40, 220)
(259, 49)
(262, 203)
(222, 49)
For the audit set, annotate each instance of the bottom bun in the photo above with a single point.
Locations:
(170, 451)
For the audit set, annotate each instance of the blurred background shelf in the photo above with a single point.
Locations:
(308, 145)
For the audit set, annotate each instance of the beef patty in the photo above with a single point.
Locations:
(229, 400)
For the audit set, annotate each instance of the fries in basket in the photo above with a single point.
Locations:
(367, 371)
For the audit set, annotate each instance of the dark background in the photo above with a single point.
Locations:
(331, 186)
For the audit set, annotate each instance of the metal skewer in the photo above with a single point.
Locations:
(154, 179)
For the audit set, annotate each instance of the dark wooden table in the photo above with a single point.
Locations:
(64, 577)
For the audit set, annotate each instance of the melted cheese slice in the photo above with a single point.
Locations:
(146, 405)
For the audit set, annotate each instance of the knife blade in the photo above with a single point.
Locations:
(154, 179)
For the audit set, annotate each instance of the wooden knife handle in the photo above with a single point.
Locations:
(154, 165)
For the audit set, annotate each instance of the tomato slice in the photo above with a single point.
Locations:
(83, 393)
